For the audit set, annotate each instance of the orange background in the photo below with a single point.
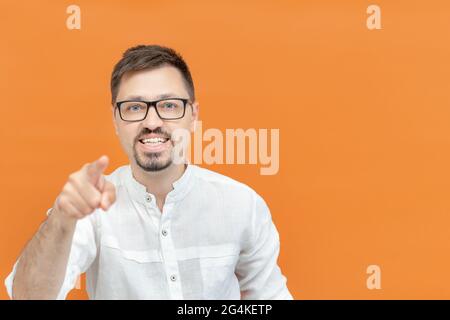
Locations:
(363, 115)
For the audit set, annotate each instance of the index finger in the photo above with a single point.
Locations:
(95, 169)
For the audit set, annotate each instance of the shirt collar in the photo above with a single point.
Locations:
(180, 187)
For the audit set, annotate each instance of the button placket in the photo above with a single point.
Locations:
(149, 204)
(169, 253)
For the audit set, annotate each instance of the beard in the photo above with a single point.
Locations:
(152, 162)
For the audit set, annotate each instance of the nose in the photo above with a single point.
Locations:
(152, 121)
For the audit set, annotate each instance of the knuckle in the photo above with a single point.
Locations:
(66, 187)
(62, 202)
(69, 190)
(73, 179)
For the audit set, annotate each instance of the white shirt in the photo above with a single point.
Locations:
(215, 239)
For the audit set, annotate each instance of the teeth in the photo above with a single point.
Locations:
(154, 140)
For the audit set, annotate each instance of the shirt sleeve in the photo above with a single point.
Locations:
(82, 253)
(259, 275)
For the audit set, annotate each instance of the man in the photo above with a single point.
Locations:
(156, 228)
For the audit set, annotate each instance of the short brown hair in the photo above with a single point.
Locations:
(149, 57)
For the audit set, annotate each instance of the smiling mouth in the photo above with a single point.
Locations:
(153, 141)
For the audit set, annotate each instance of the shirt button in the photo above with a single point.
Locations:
(164, 233)
(173, 277)
(149, 199)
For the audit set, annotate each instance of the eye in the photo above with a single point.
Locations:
(169, 105)
(134, 107)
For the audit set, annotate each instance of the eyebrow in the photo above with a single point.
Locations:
(158, 97)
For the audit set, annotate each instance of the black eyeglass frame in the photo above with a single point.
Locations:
(152, 104)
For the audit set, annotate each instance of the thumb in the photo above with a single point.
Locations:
(95, 169)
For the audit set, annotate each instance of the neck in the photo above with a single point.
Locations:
(158, 183)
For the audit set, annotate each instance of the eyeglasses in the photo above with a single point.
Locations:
(166, 109)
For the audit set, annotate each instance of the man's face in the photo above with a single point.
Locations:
(138, 138)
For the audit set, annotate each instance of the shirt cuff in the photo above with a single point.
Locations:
(9, 280)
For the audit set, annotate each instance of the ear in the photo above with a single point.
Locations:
(195, 111)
